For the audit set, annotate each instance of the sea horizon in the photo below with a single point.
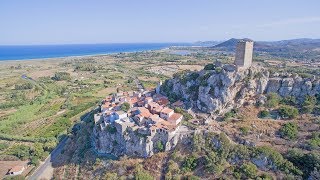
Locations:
(36, 52)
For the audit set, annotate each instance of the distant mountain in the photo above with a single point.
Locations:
(206, 43)
(294, 48)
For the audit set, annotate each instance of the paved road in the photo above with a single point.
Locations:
(45, 170)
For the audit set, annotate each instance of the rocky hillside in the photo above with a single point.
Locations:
(219, 88)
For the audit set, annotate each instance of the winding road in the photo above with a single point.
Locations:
(45, 170)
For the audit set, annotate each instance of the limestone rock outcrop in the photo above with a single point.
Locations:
(227, 87)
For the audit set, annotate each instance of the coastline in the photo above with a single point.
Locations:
(66, 57)
(34, 54)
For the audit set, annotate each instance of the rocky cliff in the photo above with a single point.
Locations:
(219, 88)
(133, 142)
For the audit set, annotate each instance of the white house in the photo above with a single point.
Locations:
(16, 170)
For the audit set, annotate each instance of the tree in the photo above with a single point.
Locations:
(289, 130)
(125, 106)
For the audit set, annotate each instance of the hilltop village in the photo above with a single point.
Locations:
(143, 117)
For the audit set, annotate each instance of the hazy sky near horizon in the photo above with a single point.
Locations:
(118, 21)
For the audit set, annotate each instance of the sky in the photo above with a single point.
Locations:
(130, 21)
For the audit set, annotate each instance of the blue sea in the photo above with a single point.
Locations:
(23, 52)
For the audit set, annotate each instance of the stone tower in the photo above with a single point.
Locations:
(158, 87)
(244, 52)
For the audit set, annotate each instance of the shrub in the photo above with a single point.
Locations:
(304, 161)
(20, 151)
(273, 100)
(189, 164)
(210, 67)
(289, 100)
(125, 106)
(249, 170)
(288, 112)
(3, 146)
(264, 114)
(314, 142)
(142, 174)
(23, 86)
(229, 114)
(244, 130)
(59, 76)
(289, 130)
(160, 146)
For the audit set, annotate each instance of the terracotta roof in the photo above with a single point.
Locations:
(154, 117)
(166, 110)
(144, 112)
(174, 117)
(17, 168)
(149, 99)
(133, 100)
(153, 105)
(163, 101)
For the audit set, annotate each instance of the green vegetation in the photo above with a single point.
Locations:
(307, 162)
(210, 67)
(264, 114)
(160, 146)
(186, 115)
(230, 114)
(289, 130)
(60, 76)
(189, 164)
(244, 130)
(314, 141)
(273, 100)
(288, 112)
(24, 86)
(125, 107)
(142, 174)
(249, 170)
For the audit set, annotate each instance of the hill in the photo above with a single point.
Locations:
(299, 49)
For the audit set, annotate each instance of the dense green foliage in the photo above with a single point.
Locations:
(288, 112)
(189, 164)
(249, 170)
(307, 162)
(289, 130)
(314, 141)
